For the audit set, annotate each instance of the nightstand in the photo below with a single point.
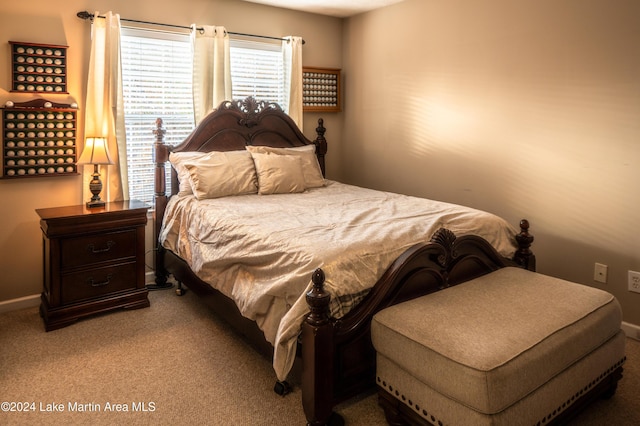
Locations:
(93, 261)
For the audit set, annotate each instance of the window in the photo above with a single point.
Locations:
(257, 69)
(156, 74)
(156, 77)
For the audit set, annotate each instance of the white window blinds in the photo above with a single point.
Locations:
(156, 74)
(257, 69)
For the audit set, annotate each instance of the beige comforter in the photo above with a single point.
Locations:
(260, 250)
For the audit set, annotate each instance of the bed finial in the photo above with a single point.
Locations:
(321, 144)
(159, 131)
(524, 256)
(320, 129)
(318, 299)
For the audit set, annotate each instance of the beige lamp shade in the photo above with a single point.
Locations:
(95, 152)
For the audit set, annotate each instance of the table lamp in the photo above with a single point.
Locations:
(95, 152)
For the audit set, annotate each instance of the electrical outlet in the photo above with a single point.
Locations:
(634, 281)
(600, 273)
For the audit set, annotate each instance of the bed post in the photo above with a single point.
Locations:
(321, 145)
(160, 157)
(317, 357)
(524, 256)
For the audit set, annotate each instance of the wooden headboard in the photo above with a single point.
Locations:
(231, 126)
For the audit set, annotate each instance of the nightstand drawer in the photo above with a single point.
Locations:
(87, 250)
(97, 282)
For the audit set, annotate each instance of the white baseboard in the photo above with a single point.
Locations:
(19, 303)
(631, 330)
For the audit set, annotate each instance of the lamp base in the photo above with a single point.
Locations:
(95, 186)
(95, 204)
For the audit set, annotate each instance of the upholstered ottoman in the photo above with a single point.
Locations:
(509, 348)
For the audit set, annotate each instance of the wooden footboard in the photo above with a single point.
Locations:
(338, 357)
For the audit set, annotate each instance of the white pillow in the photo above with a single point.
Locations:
(310, 167)
(278, 174)
(177, 160)
(221, 174)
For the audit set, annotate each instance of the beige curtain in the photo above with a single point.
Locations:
(104, 107)
(292, 50)
(211, 68)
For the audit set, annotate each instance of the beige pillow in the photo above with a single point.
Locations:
(278, 174)
(221, 174)
(310, 167)
(178, 160)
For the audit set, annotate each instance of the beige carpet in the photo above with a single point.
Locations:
(178, 361)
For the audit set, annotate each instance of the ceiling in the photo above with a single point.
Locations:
(338, 8)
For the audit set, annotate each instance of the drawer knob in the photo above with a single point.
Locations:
(99, 283)
(92, 248)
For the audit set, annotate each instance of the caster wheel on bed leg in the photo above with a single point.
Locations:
(282, 388)
(180, 291)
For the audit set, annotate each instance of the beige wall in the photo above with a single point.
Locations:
(55, 22)
(526, 109)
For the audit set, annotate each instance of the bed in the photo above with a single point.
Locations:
(271, 254)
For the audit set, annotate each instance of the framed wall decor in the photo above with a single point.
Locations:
(38, 68)
(321, 89)
(39, 139)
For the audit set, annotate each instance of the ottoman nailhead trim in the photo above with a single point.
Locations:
(544, 420)
(581, 391)
(416, 407)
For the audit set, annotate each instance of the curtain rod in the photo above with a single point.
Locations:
(89, 16)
